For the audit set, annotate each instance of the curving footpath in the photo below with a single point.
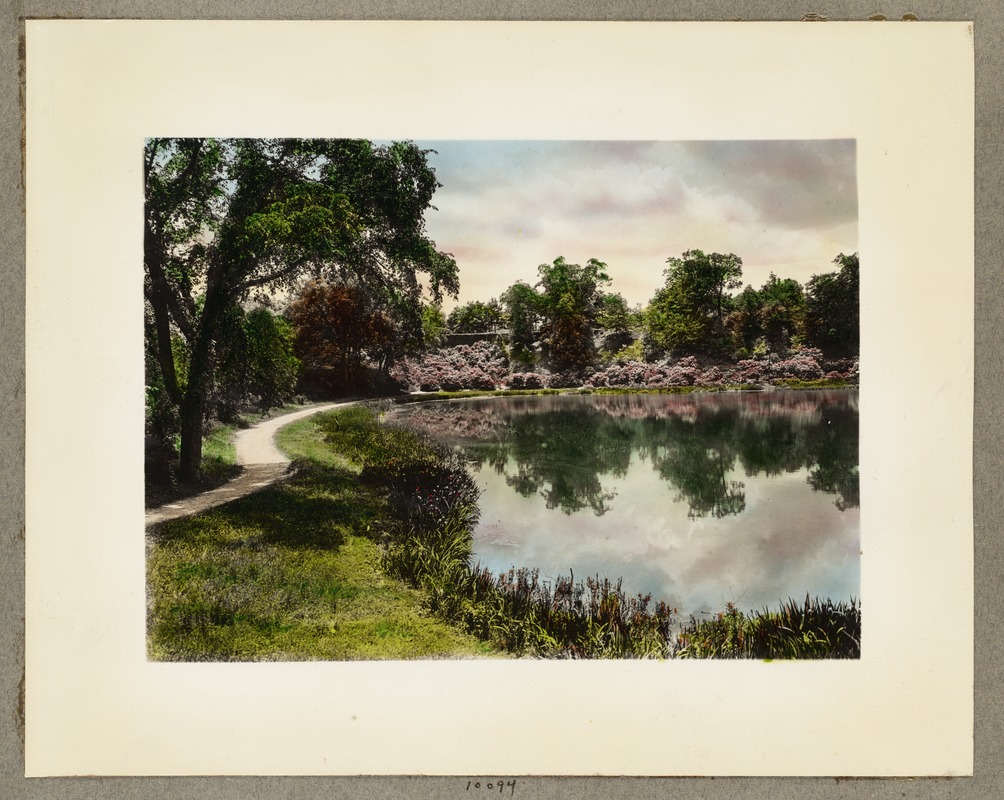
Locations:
(260, 460)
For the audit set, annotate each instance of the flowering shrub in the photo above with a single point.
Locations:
(802, 364)
(526, 380)
(481, 365)
(747, 371)
(713, 376)
(564, 380)
(845, 369)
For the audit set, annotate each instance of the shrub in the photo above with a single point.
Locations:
(482, 365)
(526, 380)
(802, 364)
(567, 379)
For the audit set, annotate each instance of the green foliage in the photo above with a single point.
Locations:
(291, 573)
(240, 218)
(520, 613)
(832, 308)
(632, 352)
(570, 295)
(523, 308)
(815, 629)
(615, 319)
(771, 320)
(476, 317)
(255, 364)
(433, 325)
(613, 314)
(687, 315)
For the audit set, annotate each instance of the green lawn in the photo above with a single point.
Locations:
(290, 573)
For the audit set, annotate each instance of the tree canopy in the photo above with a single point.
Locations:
(570, 297)
(832, 314)
(476, 317)
(228, 220)
(686, 315)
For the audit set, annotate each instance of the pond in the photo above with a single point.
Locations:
(699, 499)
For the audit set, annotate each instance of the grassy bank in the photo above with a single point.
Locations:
(219, 460)
(291, 573)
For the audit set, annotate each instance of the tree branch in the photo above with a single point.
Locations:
(276, 275)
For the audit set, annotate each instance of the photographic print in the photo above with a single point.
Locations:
(648, 451)
(498, 399)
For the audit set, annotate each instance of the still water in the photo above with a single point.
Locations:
(698, 499)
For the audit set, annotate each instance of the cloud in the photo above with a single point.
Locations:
(793, 184)
(505, 207)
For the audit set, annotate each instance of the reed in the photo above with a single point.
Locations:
(814, 629)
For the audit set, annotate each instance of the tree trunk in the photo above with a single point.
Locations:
(191, 437)
(200, 373)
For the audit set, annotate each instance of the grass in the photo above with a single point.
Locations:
(813, 629)
(249, 418)
(815, 383)
(290, 573)
(219, 461)
(432, 499)
(219, 457)
(303, 440)
(219, 465)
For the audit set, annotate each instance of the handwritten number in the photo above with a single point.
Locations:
(498, 783)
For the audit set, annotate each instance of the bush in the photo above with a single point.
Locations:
(426, 482)
(482, 366)
(802, 364)
(567, 379)
(526, 380)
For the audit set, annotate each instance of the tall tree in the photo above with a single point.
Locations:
(337, 326)
(687, 314)
(255, 362)
(772, 318)
(832, 316)
(226, 220)
(615, 318)
(570, 296)
(433, 325)
(522, 311)
(783, 312)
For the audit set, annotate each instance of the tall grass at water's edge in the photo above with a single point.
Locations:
(813, 629)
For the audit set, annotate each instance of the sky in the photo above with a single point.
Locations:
(506, 207)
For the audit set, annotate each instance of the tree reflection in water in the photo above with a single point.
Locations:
(564, 447)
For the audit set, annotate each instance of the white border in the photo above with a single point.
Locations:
(96, 89)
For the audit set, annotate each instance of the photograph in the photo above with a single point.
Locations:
(498, 399)
(494, 399)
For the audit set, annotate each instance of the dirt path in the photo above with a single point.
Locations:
(261, 463)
